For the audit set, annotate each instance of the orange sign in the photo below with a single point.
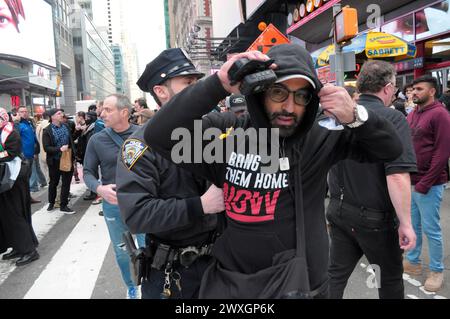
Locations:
(270, 37)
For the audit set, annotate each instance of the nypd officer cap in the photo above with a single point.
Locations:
(169, 64)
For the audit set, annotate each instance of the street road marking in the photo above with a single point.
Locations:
(73, 270)
(414, 282)
(426, 292)
(43, 222)
(439, 297)
(412, 297)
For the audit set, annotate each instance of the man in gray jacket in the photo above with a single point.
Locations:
(102, 151)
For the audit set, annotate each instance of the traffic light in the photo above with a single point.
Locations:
(346, 24)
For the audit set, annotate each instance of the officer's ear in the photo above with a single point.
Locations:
(162, 92)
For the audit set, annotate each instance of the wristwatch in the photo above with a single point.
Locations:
(361, 116)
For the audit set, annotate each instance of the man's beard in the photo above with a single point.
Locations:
(285, 131)
(420, 101)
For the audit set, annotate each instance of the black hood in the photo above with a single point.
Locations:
(291, 59)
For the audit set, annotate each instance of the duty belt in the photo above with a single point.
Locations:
(186, 256)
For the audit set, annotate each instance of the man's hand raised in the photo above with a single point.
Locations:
(337, 103)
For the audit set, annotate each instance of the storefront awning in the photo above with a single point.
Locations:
(374, 45)
(316, 27)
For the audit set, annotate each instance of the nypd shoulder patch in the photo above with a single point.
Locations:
(132, 150)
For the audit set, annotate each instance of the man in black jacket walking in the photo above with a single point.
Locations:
(262, 207)
(370, 207)
(57, 139)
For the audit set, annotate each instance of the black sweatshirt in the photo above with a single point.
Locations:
(261, 209)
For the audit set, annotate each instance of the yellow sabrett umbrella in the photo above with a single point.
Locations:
(375, 45)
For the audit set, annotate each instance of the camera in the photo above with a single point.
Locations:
(255, 76)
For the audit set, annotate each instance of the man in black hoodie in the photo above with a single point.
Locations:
(262, 208)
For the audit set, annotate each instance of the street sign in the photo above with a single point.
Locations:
(269, 38)
(349, 62)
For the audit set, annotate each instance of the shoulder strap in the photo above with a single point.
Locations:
(300, 214)
(114, 136)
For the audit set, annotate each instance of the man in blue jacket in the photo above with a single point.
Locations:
(30, 145)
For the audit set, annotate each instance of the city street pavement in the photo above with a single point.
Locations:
(77, 260)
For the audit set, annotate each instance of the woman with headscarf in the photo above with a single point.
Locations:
(16, 230)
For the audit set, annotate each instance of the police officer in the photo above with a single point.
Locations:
(164, 201)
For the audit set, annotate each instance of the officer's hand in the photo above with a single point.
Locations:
(223, 72)
(337, 103)
(212, 200)
(108, 192)
(407, 237)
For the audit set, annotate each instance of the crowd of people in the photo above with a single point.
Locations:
(228, 228)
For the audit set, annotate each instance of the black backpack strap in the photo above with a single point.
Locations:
(114, 136)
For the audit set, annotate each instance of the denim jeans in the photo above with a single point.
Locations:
(116, 228)
(36, 176)
(425, 215)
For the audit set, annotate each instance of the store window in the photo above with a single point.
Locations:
(438, 50)
(433, 20)
(402, 28)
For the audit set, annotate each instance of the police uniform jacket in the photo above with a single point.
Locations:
(160, 199)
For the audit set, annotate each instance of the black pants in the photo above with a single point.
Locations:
(190, 281)
(55, 174)
(16, 228)
(353, 236)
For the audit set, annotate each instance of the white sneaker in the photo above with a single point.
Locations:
(134, 293)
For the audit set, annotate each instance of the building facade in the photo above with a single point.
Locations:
(121, 76)
(421, 23)
(190, 25)
(29, 65)
(67, 91)
(94, 59)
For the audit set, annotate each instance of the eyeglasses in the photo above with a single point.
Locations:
(280, 93)
(393, 86)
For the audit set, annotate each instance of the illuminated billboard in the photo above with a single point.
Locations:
(26, 30)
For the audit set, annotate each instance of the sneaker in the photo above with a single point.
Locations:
(66, 210)
(97, 201)
(91, 196)
(412, 269)
(434, 281)
(134, 293)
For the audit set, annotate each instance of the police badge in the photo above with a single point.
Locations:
(132, 150)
